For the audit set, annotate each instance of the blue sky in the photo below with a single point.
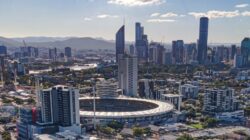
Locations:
(164, 20)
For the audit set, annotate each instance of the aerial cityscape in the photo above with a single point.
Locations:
(125, 69)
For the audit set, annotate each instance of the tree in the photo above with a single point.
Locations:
(6, 135)
(115, 125)
(137, 131)
(210, 122)
(247, 111)
(185, 137)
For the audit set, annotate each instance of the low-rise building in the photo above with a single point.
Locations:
(189, 91)
(222, 103)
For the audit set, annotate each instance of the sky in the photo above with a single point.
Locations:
(163, 20)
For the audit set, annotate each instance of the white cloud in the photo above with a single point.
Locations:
(241, 5)
(160, 20)
(87, 19)
(170, 14)
(216, 14)
(155, 15)
(246, 13)
(131, 3)
(107, 16)
(197, 14)
(182, 15)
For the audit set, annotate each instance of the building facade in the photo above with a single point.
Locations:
(189, 91)
(220, 100)
(59, 105)
(68, 52)
(245, 52)
(120, 42)
(202, 42)
(128, 75)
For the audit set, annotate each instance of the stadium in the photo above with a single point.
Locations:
(124, 110)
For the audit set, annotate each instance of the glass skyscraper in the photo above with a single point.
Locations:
(202, 42)
(245, 51)
(141, 43)
(120, 42)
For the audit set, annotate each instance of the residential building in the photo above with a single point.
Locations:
(27, 117)
(189, 91)
(220, 100)
(59, 105)
(128, 75)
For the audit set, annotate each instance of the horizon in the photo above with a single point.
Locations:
(63, 38)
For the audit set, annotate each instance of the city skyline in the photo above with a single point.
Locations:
(164, 20)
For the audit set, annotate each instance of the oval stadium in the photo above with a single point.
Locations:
(124, 110)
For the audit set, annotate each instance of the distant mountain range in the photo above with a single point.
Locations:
(73, 42)
(59, 42)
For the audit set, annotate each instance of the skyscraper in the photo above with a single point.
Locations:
(202, 42)
(156, 53)
(131, 49)
(53, 54)
(68, 52)
(141, 43)
(3, 50)
(128, 75)
(178, 51)
(245, 52)
(233, 51)
(120, 42)
(190, 53)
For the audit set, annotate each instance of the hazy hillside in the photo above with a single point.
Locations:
(75, 43)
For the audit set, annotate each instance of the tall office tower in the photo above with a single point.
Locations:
(233, 51)
(53, 54)
(29, 51)
(59, 105)
(146, 88)
(202, 42)
(141, 43)
(220, 100)
(128, 75)
(132, 50)
(178, 51)
(220, 54)
(190, 53)
(167, 58)
(245, 52)
(120, 42)
(3, 50)
(156, 53)
(67, 52)
(238, 59)
(139, 31)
